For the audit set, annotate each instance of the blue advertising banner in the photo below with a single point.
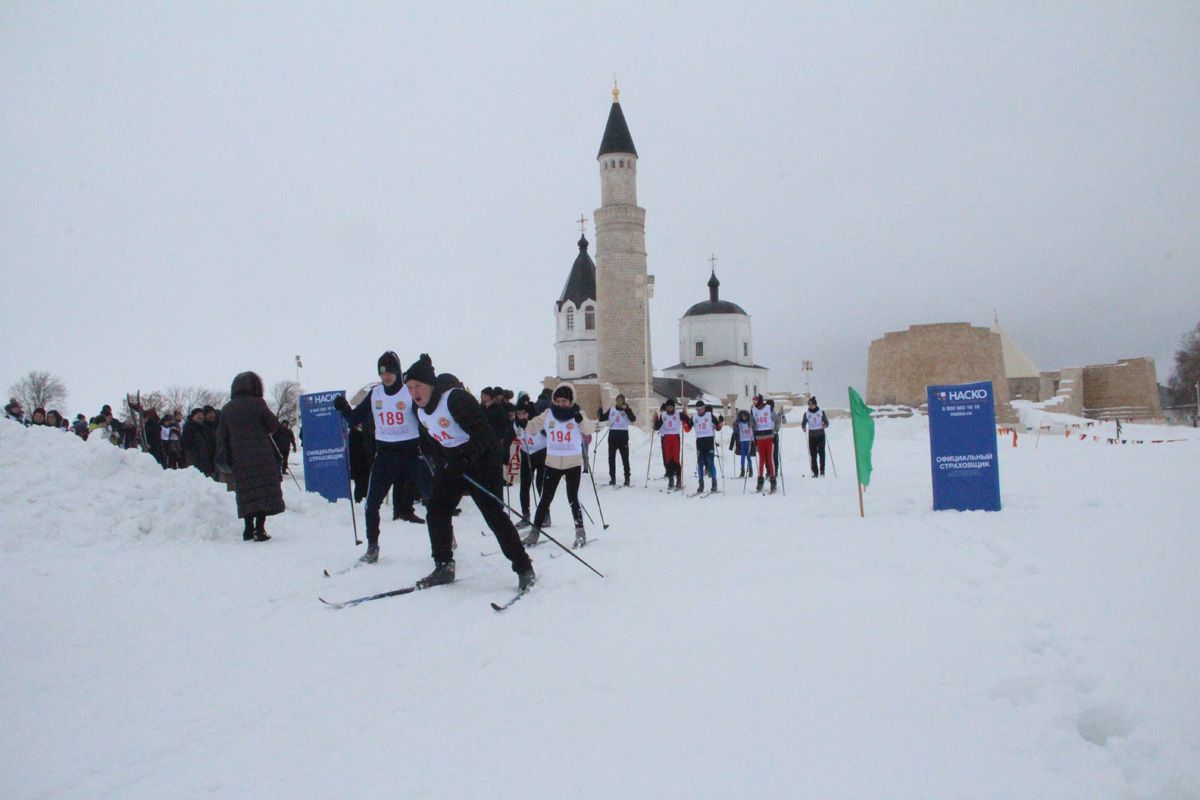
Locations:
(962, 447)
(326, 468)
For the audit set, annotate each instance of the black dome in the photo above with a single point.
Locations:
(718, 307)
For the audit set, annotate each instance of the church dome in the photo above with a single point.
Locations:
(714, 305)
(581, 282)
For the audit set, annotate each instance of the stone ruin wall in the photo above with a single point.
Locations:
(1127, 389)
(903, 363)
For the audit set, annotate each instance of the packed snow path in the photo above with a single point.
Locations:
(741, 646)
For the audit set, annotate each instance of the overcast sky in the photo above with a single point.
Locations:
(188, 190)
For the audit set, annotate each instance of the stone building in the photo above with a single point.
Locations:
(1127, 389)
(716, 350)
(903, 363)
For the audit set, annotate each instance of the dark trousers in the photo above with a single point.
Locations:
(553, 476)
(533, 469)
(618, 442)
(389, 467)
(444, 498)
(816, 448)
(404, 494)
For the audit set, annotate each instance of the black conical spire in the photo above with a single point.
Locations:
(713, 286)
(616, 132)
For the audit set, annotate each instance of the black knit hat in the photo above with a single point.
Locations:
(389, 362)
(813, 400)
(701, 404)
(670, 402)
(564, 391)
(422, 371)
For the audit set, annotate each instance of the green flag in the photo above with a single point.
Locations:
(864, 436)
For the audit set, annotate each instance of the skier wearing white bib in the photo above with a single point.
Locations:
(388, 408)
(815, 422)
(618, 418)
(706, 425)
(456, 436)
(567, 432)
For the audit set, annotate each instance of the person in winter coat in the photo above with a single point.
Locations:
(39, 417)
(152, 427)
(14, 411)
(619, 418)
(55, 420)
(388, 410)
(80, 427)
(244, 448)
(765, 422)
(533, 461)
(706, 424)
(741, 441)
(568, 433)
(669, 423)
(458, 439)
(815, 422)
(197, 447)
(285, 442)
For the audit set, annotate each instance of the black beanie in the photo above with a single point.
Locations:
(422, 371)
(389, 362)
(564, 391)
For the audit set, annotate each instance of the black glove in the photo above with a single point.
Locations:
(341, 403)
(599, 411)
(721, 420)
(579, 417)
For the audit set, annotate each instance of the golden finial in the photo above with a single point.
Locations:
(616, 91)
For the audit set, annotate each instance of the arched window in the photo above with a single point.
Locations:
(622, 162)
(699, 349)
(570, 319)
(589, 318)
(570, 363)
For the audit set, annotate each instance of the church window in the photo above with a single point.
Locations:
(746, 349)
(570, 363)
(746, 387)
(570, 319)
(699, 349)
(589, 318)
(622, 162)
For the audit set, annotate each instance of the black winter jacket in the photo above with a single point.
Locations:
(243, 442)
(468, 413)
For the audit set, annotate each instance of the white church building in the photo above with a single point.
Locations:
(716, 350)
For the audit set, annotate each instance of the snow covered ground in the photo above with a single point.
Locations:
(740, 646)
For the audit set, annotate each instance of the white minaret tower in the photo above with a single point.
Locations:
(622, 328)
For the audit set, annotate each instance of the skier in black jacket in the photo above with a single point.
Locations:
(389, 407)
(618, 418)
(456, 436)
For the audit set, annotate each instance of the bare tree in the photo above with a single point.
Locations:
(39, 389)
(285, 400)
(182, 399)
(1182, 385)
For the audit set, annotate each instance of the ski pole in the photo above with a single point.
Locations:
(349, 487)
(541, 532)
(779, 465)
(829, 447)
(596, 446)
(599, 507)
(649, 456)
(294, 479)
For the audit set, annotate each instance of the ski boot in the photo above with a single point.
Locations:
(524, 523)
(759, 487)
(442, 573)
(626, 480)
(532, 538)
(772, 487)
(700, 488)
(580, 536)
(526, 580)
(409, 516)
(612, 481)
(372, 554)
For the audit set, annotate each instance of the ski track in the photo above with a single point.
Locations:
(737, 648)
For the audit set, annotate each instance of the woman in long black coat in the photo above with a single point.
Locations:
(244, 445)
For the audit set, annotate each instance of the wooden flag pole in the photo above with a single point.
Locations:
(854, 437)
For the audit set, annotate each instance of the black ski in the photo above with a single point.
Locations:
(357, 600)
(515, 598)
(343, 571)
